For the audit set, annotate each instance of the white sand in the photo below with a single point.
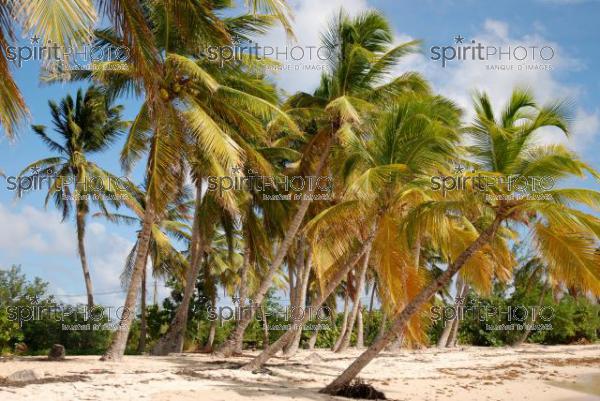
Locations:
(472, 373)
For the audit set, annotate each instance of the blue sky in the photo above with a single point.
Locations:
(35, 238)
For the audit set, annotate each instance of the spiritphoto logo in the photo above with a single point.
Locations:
(516, 317)
(514, 186)
(74, 57)
(292, 315)
(277, 187)
(297, 57)
(526, 58)
(96, 318)
(90, 187)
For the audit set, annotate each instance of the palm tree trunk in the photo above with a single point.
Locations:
(143, 322)
(453, 333)
(291, 348)
(119, 342)
(313, 339)
(356, 305)
(211, 336)
(449, 324)
(80, 221)
(210, 286)
(294, 273)
(243, 294)
(265, 327)
(344, 321)
(212, 331)
(456, 324)
(172, 340)
(155, 293)
(528, 329)
(332, 284)
(382, 326)
(401, 319)
(443, 340)
(229, 346)
(372, 298)
(360, 335)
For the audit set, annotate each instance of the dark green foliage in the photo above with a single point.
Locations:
(21, 299)
(571, 319)
(574, 319)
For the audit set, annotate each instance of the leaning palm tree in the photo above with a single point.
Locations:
(382, 173)
(362, 59)
(504, 147)
(86, 125)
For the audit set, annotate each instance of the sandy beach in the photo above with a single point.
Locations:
(533, 372)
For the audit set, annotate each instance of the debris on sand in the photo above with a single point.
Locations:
(263, 371)
(360, 389)
(26, 377)
(314, 357)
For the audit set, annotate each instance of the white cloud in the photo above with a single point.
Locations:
(34, 230)
(310, 19)
(47, 248)
(497, 28)
(586, 129)
(461, 78)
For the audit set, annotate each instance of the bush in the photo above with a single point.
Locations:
(30, 315)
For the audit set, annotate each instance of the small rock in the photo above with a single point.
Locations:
(57, 353)
(21, 348)
(26, 375)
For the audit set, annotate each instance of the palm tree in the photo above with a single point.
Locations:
(208, 211)
(356, 81)
(380, 171)
(166, 260)
(239, 111)
(505, 146)
(86, 125)
(221, 268)
(178, 89)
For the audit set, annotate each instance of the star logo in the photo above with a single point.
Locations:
(35, 40)
(458, 39)
(35, 170)
(458, 169)
(34, 299)
(235, 170)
